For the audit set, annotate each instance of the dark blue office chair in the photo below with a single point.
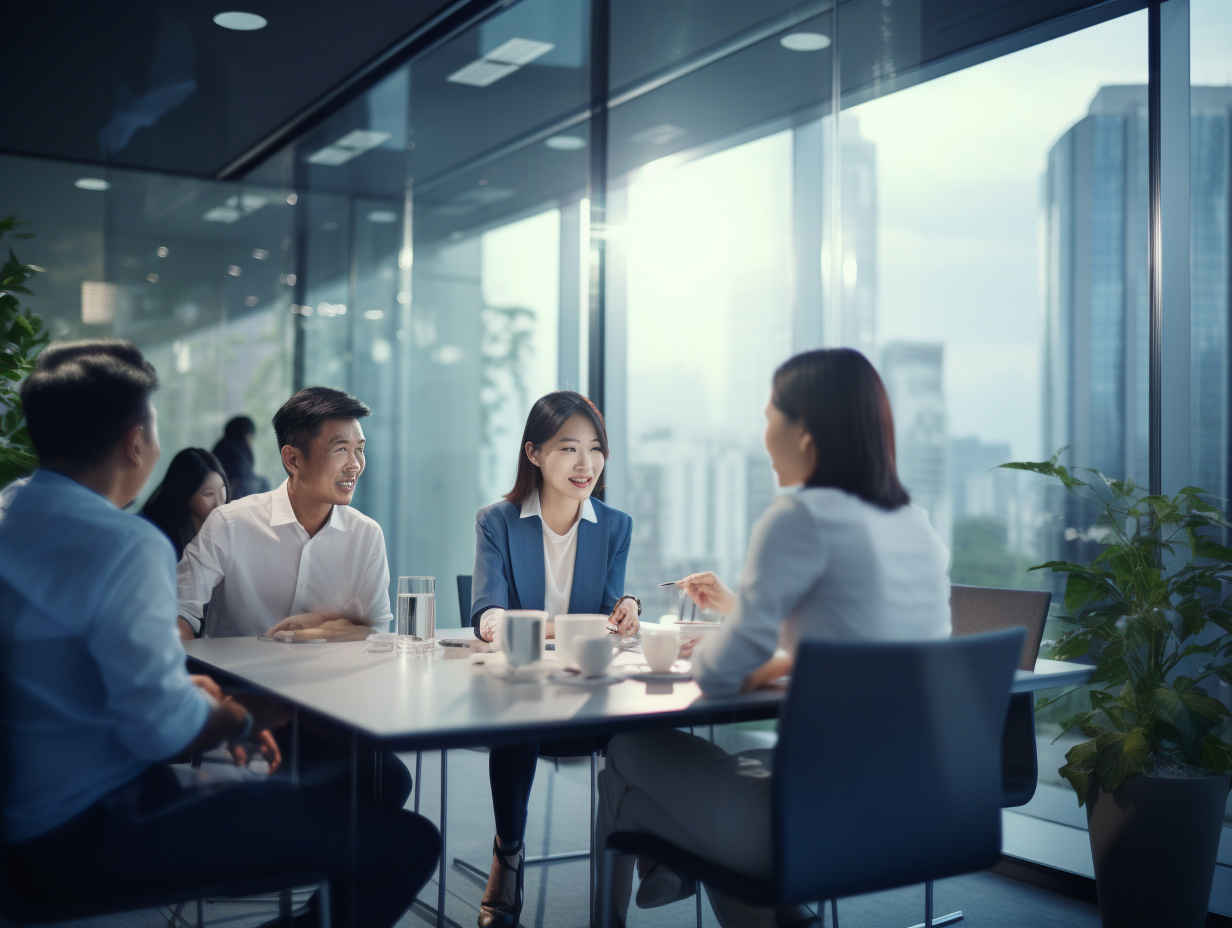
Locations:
(887, 773)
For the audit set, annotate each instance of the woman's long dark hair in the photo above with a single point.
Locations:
(167, 506)
(547, 417)
(839, 398)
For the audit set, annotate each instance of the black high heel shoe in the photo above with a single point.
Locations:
(502, 899)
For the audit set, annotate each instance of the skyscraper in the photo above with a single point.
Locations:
(913, 375)
(1096, 348)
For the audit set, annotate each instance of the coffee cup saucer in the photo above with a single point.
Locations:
(680, 672)
(573, 678)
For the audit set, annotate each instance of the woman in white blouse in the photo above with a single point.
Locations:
(842, 557)
(548, 546)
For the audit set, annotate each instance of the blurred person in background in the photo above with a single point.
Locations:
(234, 452)
(194, 486)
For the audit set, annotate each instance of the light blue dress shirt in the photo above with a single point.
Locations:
(95, 688)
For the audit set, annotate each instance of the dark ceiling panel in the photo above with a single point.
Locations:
(159, 86)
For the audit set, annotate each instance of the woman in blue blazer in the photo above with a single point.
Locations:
(549, 545)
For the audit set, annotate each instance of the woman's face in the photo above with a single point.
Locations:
(571, 460)
(209, 496)
(792, 454)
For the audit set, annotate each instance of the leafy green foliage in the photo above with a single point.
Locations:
(24, 335)
(1145, 606)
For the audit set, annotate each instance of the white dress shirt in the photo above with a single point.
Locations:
(254, 564)
(559, 556)
(824, 564)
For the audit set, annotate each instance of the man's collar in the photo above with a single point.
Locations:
(281, 512)
(531, 508)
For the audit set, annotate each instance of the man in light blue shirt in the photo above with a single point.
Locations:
(95, 693)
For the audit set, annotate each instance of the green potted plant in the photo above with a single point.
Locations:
(24, 336)
(1149, 612)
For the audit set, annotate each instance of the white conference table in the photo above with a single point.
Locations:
(443, 700)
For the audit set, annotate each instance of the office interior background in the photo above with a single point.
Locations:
(656, 203)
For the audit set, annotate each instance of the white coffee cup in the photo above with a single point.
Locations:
(569, 627)
(521, 636)
(593, 653)
(660, 645)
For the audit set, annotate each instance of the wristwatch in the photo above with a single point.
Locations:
(637, 601)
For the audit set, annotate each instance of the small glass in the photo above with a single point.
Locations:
(416, 614)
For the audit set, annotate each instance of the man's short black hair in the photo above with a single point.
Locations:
(239, 428)
(301, 417)
(83, 396)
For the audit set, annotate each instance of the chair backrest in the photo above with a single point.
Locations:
(888, 766)
(977, 609)
(464, 600)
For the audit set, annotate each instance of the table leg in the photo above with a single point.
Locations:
(295, 747)
(418, 777)
(440, 877)
(354, 829)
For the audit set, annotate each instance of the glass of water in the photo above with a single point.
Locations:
(416, 614)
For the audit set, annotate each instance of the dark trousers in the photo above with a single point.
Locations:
(325, 756)
(511, 773)
(154, 833)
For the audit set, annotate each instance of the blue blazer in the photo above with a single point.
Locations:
(509, 572)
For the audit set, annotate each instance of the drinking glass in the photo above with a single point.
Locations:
(416, 614)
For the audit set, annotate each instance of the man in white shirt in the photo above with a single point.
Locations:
(298, 556)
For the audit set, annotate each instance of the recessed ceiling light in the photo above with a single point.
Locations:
(91, 183)
(162, 251)
(349, 146)
(805, 41)
(374, 315)
(565, 143)
(241, 22)
(260, 254)
(251, 301)
(382, 215)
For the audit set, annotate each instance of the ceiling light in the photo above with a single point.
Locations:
(374, 315)
(152, 278)
(481, 73)
(519, 51)
(805, 41)
(91, 183)
(500, 62)
(162, 251)
(565, 143)
(260, 254)
(241, 22)
(349, 146)
(233, 270)
(250, 301)
(382, 215)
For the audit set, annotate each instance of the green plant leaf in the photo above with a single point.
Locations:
(1079, 764)
(1121, 755)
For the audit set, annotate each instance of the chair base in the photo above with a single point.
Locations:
(942, 920)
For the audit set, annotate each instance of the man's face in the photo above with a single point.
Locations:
(329, 471)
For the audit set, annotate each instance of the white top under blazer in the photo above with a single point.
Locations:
(824, 564)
